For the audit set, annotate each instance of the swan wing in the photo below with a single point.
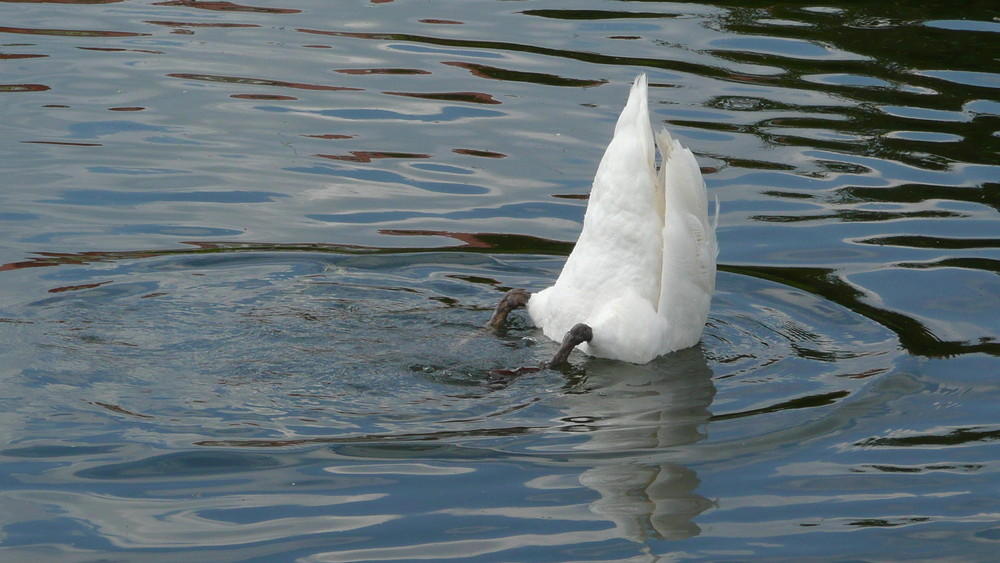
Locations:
(687, 278)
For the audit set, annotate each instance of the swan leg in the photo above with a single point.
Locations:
(577, 335)
(515, 299)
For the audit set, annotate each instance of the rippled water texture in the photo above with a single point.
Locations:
(248, 250)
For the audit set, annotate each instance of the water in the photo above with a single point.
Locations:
(249, 248)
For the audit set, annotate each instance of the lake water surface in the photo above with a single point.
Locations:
(248, 250)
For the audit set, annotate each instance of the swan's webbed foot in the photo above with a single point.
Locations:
(577, 335)
(515, 299)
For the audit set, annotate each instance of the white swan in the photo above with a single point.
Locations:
(639, 281)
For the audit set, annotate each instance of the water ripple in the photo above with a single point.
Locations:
(241, 315)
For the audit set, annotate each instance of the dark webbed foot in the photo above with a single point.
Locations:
(578, 334)
(515, 299)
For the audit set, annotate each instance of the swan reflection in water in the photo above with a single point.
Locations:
(642, 417)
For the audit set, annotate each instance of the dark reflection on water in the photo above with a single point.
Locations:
(176, 388)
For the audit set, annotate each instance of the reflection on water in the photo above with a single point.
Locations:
(651, 409)
(242, 294)
(340, 387)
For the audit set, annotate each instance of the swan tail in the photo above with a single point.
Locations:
(619, 244)
(627, 170)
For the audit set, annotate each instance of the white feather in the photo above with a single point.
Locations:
(643, 270)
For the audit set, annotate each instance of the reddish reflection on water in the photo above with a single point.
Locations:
(120, 50)
(259, 82)
(227, 7)
(70, 32)
(62, 1)
(473, 97)
(265, 97)
(378, 70)
(494, 73)
(367, 156)
(330, 136)
(198, 24)
(23, 88)
(476, 152)
(78, 287)
(63, 143)
(468, 240)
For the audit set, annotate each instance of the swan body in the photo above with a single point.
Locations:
(643, 270)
